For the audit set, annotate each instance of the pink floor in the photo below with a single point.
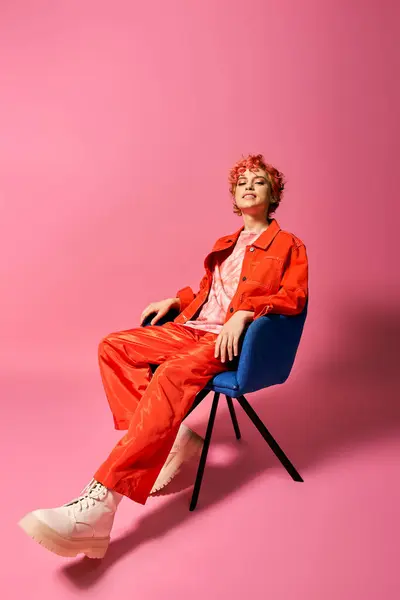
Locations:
(255, 532)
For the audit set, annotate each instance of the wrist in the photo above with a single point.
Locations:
(176, 302)
(247, 315)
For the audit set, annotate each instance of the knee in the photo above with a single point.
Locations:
(102, 347)
(171, 372)
(109, 341)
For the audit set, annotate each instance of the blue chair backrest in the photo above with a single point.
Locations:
(269, 350)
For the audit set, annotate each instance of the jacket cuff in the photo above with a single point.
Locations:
(259, 310)
(185, 295)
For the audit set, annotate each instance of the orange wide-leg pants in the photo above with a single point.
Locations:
(151, 406)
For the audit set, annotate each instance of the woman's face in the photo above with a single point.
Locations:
(252, 192)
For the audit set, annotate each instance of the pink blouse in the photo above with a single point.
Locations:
(224, 284)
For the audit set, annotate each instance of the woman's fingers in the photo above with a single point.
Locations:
(158, 316)
(229, 347)
(230, 343)
(217, 346)
(147, 311)
(223, 348)
(144, 316)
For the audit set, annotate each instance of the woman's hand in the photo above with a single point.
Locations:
(227, 341)
(160, 308)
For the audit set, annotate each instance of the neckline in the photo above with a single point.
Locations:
(255, 232)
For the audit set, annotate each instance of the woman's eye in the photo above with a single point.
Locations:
(242, 183)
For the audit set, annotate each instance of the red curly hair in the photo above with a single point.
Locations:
(275, 178)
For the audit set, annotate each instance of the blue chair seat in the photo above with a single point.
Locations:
(225, 383)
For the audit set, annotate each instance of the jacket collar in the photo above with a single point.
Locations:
(263, 241)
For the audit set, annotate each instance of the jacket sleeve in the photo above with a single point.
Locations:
(292, 295)
(186, 294)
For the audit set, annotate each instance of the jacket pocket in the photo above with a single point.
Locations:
(267, 272)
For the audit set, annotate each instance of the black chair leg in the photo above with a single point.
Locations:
(269, 439)
(204, 453)
(233, 417)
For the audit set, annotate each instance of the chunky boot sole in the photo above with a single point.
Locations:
(192, 448)
(53, 541)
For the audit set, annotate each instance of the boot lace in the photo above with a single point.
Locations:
(92, 492)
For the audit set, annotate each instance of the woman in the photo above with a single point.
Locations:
(260, 269)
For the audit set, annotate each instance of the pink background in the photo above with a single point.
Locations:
(118, 124)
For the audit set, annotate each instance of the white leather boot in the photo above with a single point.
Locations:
(82, 526)
(187, 445)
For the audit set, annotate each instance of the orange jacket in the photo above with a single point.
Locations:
(274, 276)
